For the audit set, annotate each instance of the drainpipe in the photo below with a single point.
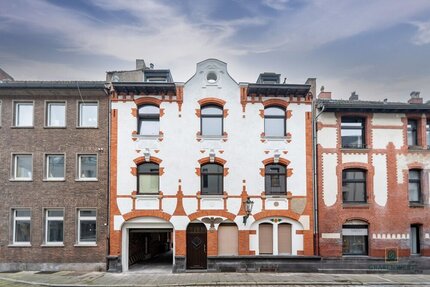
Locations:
(315, 116)
(108, 176)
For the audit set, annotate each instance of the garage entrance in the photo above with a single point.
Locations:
(147, 245)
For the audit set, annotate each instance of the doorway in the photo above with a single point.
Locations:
(196, 246)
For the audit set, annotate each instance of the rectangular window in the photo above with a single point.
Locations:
(55, 167)
(56, 114)
(21, 226)
(354, 240)
(22, 166)
(414, 186)
(354, 186)
(412, 133)
(87, 167)
(87, 226)
(275, 179)
(88, 115)
(415, 239)
(54, 221)
(428, 133)
(352, 133)
(23, 114)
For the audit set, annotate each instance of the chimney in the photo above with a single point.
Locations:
(324, 95)
(313, 83)
(354, 96)
(140, 64)
(415, 98)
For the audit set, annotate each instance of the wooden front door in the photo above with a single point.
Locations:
(196, 246)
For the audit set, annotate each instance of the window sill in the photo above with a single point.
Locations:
(274, 138)
(417, 148)
(280, 195)
(20, 245)
(54, 180)
(87, 180)
(364, 149)
(52, 245)
(49, 127)
(355, 205)
(416, 205)
(211, 195)
(85, 245)
(19, 179)
(18, 127)
(78, 127)
(147, 195)
(147, 137)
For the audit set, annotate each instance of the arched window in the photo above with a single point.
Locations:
(355, 238)
(275, 179)
(212, 178)
(265, 238)
(148, 178)
(274, 122)
(228, 239)
(354, 186)
(211, 120)
(149, 120)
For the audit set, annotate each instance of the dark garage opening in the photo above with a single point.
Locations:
(150, 250)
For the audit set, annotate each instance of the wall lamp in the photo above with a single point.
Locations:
(248, 204)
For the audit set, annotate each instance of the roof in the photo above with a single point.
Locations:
(5, 76)
(53, 85)
(371, 106)
(278, 90)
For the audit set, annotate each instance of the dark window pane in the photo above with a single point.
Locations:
(23, 166)
(56, 115)
(22, 231)
(55, 166)
(354, 245)
(212, 168)
(151, 168)
(414, 192)
(55, 213)
(275, 179)
(212, 184)
(412, 133)
(87, 213)
(23, 213)
(88, 166)
(352, 132)
(354, 186)
(87, 231)
(212, 126)
(55, 231)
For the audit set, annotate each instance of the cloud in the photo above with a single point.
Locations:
(422, 35)
(276, 4)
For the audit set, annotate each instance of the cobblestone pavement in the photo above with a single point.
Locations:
(71, 278)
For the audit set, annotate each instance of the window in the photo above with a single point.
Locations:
(21, 226)
(87, 167)
(23, 114)
(265, 238)
(212, 178)
(415, 186)
(211, 121)
(55, 167)
(56, 114)
(355, 238)
(149, 120)
(412, 133)
(148, 178)
(87, 226)
(23, 166)
(274, 122)
(354, 186)
(275, 179)
(54, 232)
(428, 133)
(352, 133)
(284, 238)
(228, 242)
(415, 239)
(88, 115)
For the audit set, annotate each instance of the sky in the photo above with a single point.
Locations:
(378, 48)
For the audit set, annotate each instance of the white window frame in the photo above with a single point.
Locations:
(47, 113)
(47, 167)
(86, 218)
(15, 114)
(79, 168)
(15, 166)
(15, 219)
(54, 218)
(79, 113)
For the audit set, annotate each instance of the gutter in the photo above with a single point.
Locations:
(315, 173)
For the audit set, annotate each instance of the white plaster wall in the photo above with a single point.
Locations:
(327, 137)
(388, 119)
(327, 118)
(329, 176)
(382, 137)
(349, 157)
(380, 184)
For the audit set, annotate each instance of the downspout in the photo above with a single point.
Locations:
(107, 91)
(315, 116)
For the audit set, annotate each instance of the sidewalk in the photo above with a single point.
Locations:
(71, 278)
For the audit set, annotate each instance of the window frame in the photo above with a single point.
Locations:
(15, 218)
(412, 130)
(53, 218)
(86, 218)
(148, 173)
(417, 181)
(46, 172)
(221, 116)
(148, 117)
(366, 238)
(267, 175)
(427, 132)
(14, 114)
(78, 123)
(220, 174)
(79, 167)
(47, 114)
(284, 118)
(354, 119)
(417, 227)
(14, 167)
(364, 181)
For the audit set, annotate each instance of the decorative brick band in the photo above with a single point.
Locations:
(147, 101)
(214, 101)
(147, 213)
